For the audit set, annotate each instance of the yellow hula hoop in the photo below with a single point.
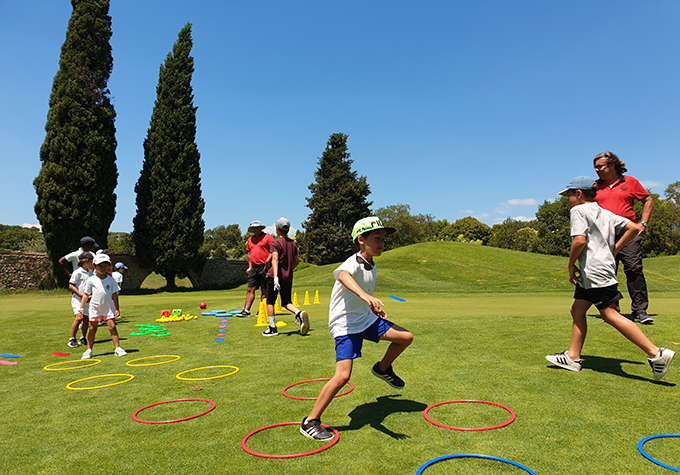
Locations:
(47, 368)
(153, 364)
(179, 376)
(98, 387)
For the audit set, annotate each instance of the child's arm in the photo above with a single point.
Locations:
(75, 290)
(577, 246)
(374, 304)
(630, 230)
(62, 263)
(115, 302)
(84, 298)
(274, 257)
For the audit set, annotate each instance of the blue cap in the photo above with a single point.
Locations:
(579, 183)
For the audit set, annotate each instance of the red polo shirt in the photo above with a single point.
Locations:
(258, 248)
(620, 196)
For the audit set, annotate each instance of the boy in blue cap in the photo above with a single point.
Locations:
(354, 316)
(594, 245)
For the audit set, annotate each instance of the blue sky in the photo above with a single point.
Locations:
(483, 108)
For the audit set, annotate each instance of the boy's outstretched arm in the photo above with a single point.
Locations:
(630, 230)
(374, 304)
(577, 246)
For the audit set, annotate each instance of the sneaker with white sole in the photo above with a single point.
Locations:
(243, 314)
(120, 352)
(643, 319)
(303, 319)
(661, 363)
(82, 341)
(87, 355)
(388, 376)
(72, 343)
(271, 331)
(314, 430)
(563, 361)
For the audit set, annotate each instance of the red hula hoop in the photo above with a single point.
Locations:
(510, 421)
(134, 416)
(351, 388)
(257, 454)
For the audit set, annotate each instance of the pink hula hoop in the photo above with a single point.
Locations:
(508, 422)
(351, 388)
(134, 416)
(267, 456)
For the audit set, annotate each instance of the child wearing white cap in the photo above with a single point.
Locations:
(101, 291)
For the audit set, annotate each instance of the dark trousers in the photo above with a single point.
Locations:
(631, 258)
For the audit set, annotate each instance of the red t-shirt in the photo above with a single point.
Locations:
(258, 248)
(287, 250)
(620, 196)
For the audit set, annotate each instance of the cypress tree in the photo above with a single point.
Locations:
(168, 227)
(338, 201)
(76, 183)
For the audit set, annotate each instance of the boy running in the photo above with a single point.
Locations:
(594, 244)
(354, 316)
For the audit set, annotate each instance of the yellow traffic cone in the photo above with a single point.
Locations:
(262, 316)
(307, 302)
(277, 306)
(281, 323)
(316, 297)
(296, 302)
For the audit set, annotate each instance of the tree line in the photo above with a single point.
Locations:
(76, 183)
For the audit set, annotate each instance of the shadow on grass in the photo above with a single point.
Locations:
(374, 413)
(614, 366)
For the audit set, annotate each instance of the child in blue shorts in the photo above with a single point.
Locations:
(354, 316)
(594, 245)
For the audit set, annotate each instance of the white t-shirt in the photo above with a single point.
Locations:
(101, 290)
(78, 278)
(72, 257)
(118, 277)
(348, 314)
(600, 227)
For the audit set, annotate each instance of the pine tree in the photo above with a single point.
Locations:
(76, 183)
(338, 201)
(168, 227)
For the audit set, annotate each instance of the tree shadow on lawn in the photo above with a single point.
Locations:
(374, 414)
(613, 366)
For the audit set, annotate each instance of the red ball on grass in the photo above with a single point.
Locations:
(202, 305)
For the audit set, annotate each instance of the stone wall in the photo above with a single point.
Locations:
(25, 270)
(31, 271)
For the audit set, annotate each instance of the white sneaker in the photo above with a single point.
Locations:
(304, 323)
(563, 361)
(661, 364)
(120, 352)
(87, 355)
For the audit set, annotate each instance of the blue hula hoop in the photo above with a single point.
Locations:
(646, 455)
(477, 456)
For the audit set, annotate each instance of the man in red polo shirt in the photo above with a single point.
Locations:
(618, 193)
(258, 253)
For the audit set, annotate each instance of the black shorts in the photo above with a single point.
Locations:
(257, 277)
(286, 291)
(601, 297)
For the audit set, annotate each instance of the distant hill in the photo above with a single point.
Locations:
(443, 267)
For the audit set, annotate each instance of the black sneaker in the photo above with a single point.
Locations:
(388, 376)
(243, 314)
(82, 341)
(72, 343)
(643, 318)
(314, 430)
(271, 331)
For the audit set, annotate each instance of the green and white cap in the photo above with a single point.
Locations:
(365, 225)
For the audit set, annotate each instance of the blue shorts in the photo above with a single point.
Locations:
(348, 347)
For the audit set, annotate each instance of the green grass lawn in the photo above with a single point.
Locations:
(483, 321)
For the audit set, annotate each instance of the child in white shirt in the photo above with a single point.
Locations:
(101, 291)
